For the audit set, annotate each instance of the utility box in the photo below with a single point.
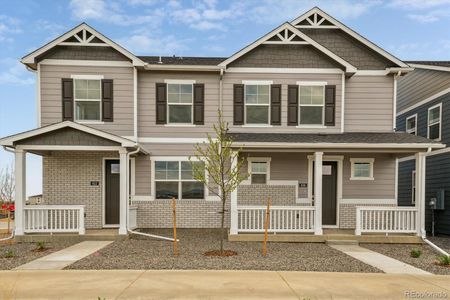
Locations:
(439, 201)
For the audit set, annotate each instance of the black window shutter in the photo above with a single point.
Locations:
(67, 99)
(199, 104)
(161, 103)
(292, 105)
(275, 104)
(107, 100)
(330, 105)
(238, 104)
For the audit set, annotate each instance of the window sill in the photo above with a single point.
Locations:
(90, 122)
(180, 125)
(311, 126)
(362, 178)
(256, 126)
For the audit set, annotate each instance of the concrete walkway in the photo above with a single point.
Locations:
(380, 261)
(176, 284)
(64, 257)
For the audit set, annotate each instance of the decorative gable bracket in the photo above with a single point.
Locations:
(286, 36)
(84, 38)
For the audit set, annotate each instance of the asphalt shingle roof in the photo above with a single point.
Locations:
(351, 137)
(440, 63)
(182, 60)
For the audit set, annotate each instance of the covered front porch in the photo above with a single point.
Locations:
(79, 163)
(330, 189)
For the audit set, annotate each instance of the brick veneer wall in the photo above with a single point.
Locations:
(347, 214)
(257, 194)
(66, 180)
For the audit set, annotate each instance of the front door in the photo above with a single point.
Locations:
(329, 192)
(112, 192)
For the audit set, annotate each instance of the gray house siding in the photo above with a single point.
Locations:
(419, 85)
(83, 53)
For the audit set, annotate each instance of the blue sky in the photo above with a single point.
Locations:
(409, 29)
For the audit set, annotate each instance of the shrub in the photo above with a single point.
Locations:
(443, 260)
(40, 246)
(416, 253)
(9, 253)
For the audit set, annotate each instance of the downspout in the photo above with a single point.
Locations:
(12, 231)
(128, 203)
(394, 102)
(221, 90)
(424, 238)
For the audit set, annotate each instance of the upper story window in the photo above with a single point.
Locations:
(434, 122)
(257, 103)
(174, 179)
(87, 97)
(311, 102)
(179, 103)
(259, 169)
(361, 168)
(411, 124)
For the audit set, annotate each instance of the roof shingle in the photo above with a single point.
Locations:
(181, 60)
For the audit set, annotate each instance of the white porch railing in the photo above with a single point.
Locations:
(54, 219)
(281, 218)
(386, 220)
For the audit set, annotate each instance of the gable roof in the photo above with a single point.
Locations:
(9, 141)
(336, 24)
(95, 39)
(305, 40)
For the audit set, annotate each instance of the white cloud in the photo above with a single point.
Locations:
(14, 73)
(145, 43)
(422, 50)
(430, 17)
(417, 4)
(111, 12)
(8, 27)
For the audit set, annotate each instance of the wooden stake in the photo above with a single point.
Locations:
(9, 221)
(266, 227)
(174, 213)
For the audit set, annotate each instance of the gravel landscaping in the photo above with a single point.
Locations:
(23, 252)
(402, 252)
(144, 253)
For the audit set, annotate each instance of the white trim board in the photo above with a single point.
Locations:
(430, 67)
(337, 145)
(424, 101)
(74, 62)
(155, 140)
(431, 153)
(285, 70)
(349, 32)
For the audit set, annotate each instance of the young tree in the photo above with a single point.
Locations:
(7, 184)
(220, 177)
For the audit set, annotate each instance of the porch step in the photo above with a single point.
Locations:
(341, 242)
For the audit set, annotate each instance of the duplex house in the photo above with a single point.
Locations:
(311, 107)
(423, 110)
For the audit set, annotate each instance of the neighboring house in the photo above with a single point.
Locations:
(311, 107)
(34, 200)
(423, 105)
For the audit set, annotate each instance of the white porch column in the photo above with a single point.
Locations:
(420, 193)
(20, 193)
(233, 208)
(318, 192)
(123, 192)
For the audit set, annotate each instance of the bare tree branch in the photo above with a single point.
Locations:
(7, 184)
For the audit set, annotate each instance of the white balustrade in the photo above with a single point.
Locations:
(386, 220)
(281, 219)
(54, 219)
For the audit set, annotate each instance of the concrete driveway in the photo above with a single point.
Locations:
(176, 284)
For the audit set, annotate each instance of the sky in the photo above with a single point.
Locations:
(409, 29)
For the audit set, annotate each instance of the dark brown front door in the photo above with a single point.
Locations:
(112, 192)
(329, 188)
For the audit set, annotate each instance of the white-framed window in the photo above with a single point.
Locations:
(413, 187)
(411, 124)
(257, 102)
(259, 169)
(361, 168)
(311, 103)
(87, 95)
(434, 122)
(180, 98)
(174, 179)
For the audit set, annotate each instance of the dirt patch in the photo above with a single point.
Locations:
(145, 253)
(221, 253)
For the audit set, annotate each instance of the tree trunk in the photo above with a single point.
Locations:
(222, 224)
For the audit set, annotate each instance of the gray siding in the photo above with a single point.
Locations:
(422, 118)
(67, 136)
(83, 53)
(123, 95)
(437, 177)
(419, 85)
(369, 103)
(349, 48)
(285, 56)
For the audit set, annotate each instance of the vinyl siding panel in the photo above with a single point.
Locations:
(51, 104)
(419, 85)
(368, 103)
